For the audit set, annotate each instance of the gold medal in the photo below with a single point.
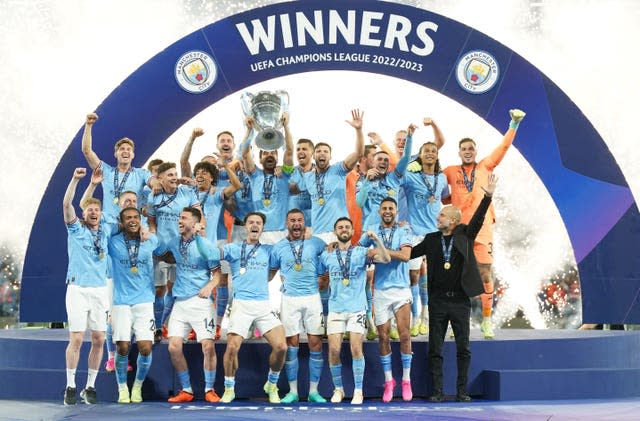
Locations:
(447, 265)
(345, 282)
(101, 255)
(432, 199)
(297, 266)
(243, 271)
(115, 200)
(134, 269)
(391, 192)
(266, 202)
(321, 201)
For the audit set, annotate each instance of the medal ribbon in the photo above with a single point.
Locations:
(432, 190)
(345, 265)
(244, 258)
(244, 179)
(133, 247)
(297, 255)
(320, 183)
(387, 240)
(97, 240)
(184, 248)
(267, 186)
(446, 251)
(168, 200)
(467, 183)
(117, 188)
(202, 198)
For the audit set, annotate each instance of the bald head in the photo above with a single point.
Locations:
(448, 219)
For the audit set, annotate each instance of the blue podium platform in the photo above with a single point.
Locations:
(517, 365)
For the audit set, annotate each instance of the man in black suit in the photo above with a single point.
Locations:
(453, 279)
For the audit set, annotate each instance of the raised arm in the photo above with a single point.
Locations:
(499, 152)
(438, 137)
(185, 166)
(245, 146)
(401, 168)
(87, 142)
(287, 159)
(96, 178)
(475, 224)
(382, 254)
(234, 181)
(356, 122)
(377, 140)
(67, 202)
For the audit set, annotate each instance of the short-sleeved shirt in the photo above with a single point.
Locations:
(296, 283)
(301, 200)
(270, 195)
(166, 208)
(254, 283)
(423, 213)
(87, 252)
(387, 186)
(330, 186)
(350, 298)
(212, 206)
(137, 286)
(133, 180)
(394, 274)
(193, 269)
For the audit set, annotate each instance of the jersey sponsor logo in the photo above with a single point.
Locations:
(477, 71)
(195, 72)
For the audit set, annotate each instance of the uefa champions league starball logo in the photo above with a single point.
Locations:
(477, 72)
(195, 72)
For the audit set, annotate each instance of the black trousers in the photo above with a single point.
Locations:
(442, 310)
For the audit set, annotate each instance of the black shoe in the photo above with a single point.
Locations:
(70, 396)
(157, 337)
(463, 397)
(88, 395)
(436, 397)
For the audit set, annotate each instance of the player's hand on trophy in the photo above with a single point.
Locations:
(356, 118)
(414, 166)
(375, 138)
(79, 173)
(516, 115)
(97, 175)
(91, 118)
(491, 185)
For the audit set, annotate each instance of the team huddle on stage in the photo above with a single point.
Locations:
(357, 245)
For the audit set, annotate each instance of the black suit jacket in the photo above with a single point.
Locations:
(463, 239)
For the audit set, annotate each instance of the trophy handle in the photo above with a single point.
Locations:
(284, 99)
(246, 100)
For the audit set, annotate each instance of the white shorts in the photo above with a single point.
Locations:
(110, 294)
(87, 307)
(272, 237)
(414, 264)
(193, 313)
(163, 272)
(138, 317)
(225, 269)
(346, 322)
(371, 268)
(328, 237)
(302, 314)
(386, 302)
(247, 313)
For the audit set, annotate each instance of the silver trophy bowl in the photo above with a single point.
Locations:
(266, 109)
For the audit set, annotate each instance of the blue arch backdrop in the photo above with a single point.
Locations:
(404, 42)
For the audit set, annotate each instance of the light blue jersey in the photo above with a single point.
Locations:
(192, 269)
(301, 200)
(87, 252)
(423, 212)
(212, 206)
(298, 268)
(346, 296)
(115, 182)
(132, 286)
(250, 269)
(328, 196)
(270, 196)
(387, 186)
(166, 208)
(394, 274)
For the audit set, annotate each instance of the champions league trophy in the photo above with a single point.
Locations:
(266, 109)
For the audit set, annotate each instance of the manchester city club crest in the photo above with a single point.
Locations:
(477, 72)
(195, 72)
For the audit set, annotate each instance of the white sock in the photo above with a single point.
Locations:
(71, 377)
(91, 378)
